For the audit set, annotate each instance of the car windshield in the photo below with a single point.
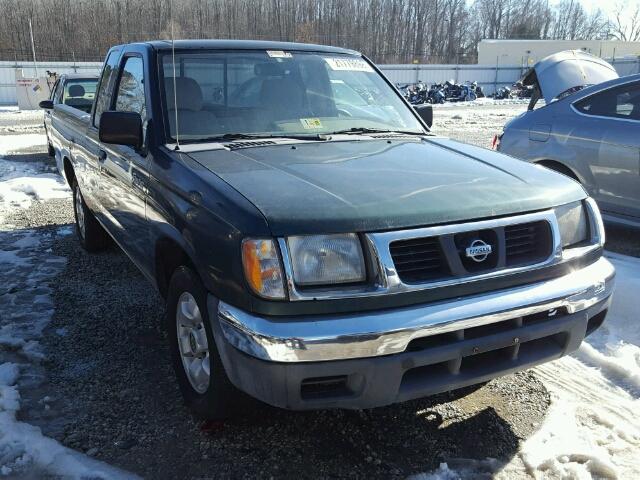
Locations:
(274, 93)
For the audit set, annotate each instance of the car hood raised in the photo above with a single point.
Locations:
(562, 71)
(373, 185)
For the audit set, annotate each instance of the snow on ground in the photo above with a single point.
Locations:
(21, 182)
(13, 120)
(26, 268)
(14, 143)
(484, 102)
(592, 429)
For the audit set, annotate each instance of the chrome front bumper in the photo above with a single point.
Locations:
(372, 334)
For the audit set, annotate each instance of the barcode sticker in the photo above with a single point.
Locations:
(279, 54)
(349, 64)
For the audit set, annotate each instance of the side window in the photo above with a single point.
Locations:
(621, 102)
(130, 96)
(103, 100)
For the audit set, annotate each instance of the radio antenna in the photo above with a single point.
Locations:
(175, 90)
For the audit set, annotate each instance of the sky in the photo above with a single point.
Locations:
(609, 7)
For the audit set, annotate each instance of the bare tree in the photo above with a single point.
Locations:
(388, 31)
(626, 26)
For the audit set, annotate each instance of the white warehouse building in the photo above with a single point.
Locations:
(527, 52)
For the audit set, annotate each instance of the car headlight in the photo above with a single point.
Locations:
(326, 259)
(573, 223)
(262, 268)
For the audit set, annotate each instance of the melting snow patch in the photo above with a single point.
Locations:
(27, 266)
(21, 183)
(14, 143)
(25, 272)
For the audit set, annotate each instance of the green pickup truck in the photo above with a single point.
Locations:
(316, 244)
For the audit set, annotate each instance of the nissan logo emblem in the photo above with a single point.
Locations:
(478, 251)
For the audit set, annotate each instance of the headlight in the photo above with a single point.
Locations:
(326, 259)
(573, 224)
(262, 268)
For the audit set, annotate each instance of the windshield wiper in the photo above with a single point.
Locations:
(357, 130)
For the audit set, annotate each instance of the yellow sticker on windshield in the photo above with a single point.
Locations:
(310, 123)
(349, 64)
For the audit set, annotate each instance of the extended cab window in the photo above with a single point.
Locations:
(103, 100)
(621, 102)
(130, 95)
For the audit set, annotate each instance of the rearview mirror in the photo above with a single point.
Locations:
(121, 128)
(46, 104)
(426, 113)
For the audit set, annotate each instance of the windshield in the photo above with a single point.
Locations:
(276, 93)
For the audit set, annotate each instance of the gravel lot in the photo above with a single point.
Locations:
(110, 390)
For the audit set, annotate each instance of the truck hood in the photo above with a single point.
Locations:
(565, 70)
(373, 185)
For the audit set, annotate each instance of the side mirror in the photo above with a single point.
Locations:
(426, 113)
(121, 128)
(46, 104)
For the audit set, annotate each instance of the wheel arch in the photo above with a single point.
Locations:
(560, 168)
(69, 172)
(169, 254)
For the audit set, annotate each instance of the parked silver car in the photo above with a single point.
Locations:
(588, 129)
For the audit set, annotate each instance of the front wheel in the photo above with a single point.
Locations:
(92, 236)
(204, 384)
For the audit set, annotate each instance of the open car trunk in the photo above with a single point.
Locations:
(563, 73)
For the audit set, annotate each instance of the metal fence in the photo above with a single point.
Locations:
(489, 77)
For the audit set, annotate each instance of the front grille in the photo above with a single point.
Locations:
(419, 260)
(451, 255)
(527, 243)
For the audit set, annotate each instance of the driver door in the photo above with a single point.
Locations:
(124, 170)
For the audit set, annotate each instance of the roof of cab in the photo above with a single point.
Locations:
(245, 45)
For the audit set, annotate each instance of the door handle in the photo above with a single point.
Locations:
(102, 155)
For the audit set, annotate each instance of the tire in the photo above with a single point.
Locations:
(92, 236)
(211, 395)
